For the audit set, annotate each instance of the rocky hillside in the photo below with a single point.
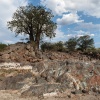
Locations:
(49, 74)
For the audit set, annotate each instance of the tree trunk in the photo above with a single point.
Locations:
(37, 41)
(32, 42)
(31, 37)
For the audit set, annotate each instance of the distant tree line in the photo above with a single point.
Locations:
(82, 43)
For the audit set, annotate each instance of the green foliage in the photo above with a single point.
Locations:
(53, 46)
(82, 43)
(36, 21)
(85, 42)
(2, 46)
(93, 51)
(46, 46)
(71, 44)
(59, 46)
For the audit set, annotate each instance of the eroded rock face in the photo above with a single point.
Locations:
(14, 82)
(40, 89)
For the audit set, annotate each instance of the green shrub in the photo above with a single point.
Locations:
(46, 46)
(53, 46)
(2, 46)
(59, 46)
(93, 52)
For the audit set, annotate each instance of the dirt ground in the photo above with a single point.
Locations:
(15, 95)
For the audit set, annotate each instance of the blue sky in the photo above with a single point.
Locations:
(73, 18)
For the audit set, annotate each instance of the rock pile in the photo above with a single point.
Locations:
(19, 52)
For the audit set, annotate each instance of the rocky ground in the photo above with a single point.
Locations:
(15, 95)
(29, 75)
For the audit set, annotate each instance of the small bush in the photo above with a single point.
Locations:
(53, 46)
(93, 52)
(59, 46)
(2, 46)
(47, 46)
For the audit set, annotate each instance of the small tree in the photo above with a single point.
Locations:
(85, 42)
(71, 44)
(34, 21)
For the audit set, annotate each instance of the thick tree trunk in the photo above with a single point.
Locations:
(37, 41)
(31, 37)
(32, 42)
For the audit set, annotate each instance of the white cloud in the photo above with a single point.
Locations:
(80, 33)
(8, 7)
(57, 6)
(69, 19)
(88, 26)
(89, 7)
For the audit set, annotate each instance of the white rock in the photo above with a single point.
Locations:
(50, 94)
(14, 65)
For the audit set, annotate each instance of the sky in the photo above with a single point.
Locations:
(73, 18)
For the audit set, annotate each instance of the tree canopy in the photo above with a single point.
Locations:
(71, 44)
(82, 43)
(36, 21)
(85, 42)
